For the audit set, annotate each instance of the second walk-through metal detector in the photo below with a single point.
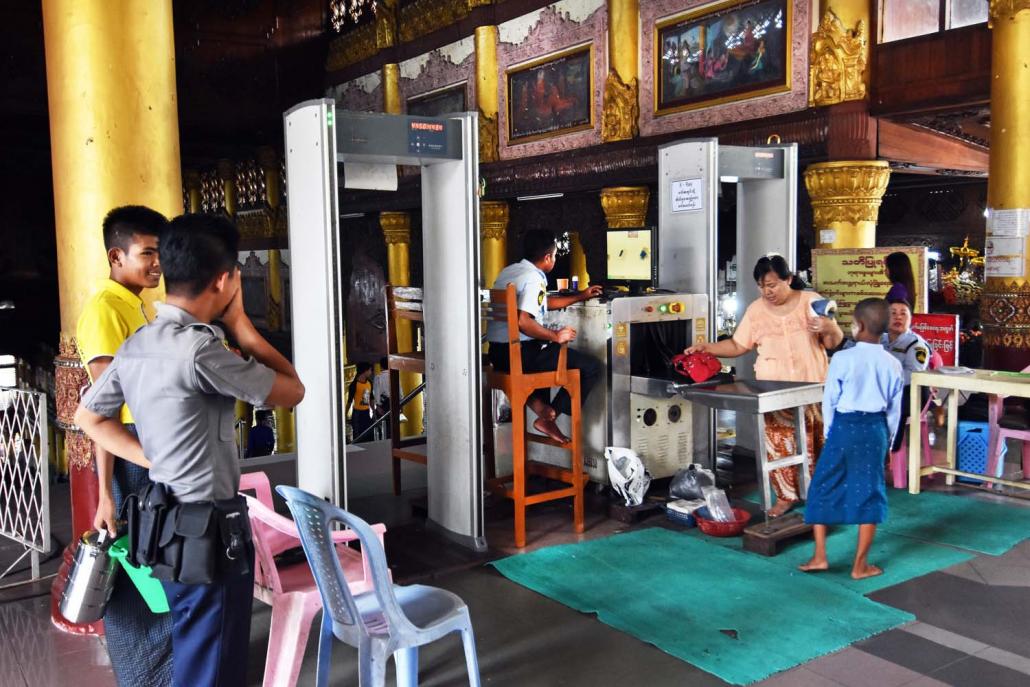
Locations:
(319, 140)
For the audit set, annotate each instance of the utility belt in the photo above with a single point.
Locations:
(189, 543)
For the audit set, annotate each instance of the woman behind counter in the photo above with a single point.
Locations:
(792, 344)
(898, 268)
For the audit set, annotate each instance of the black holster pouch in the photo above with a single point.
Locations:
(190, 543)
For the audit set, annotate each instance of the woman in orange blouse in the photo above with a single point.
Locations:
(792, 345)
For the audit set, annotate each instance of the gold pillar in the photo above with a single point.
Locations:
(578, 260)
(625, 207)
(846, 201)
(396, 228)
(114, 128)
(486, 93)
(191, 179)
(493, 230)
(392, 89)
(1003, 309)
(227, 175)
(621, 103)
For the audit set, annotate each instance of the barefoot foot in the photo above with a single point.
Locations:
(550, 429)
(815, 565)
(780, 508)
(543, 410)
(864, 572)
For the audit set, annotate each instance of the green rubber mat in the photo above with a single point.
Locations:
(958, 519)
(901, 558)
(739, 617)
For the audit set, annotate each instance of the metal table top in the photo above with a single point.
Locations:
(751, 396)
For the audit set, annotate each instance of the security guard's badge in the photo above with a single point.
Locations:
(921, 355)
(540, 298)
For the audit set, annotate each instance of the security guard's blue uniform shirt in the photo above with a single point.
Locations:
(531, 287)
(911, 350)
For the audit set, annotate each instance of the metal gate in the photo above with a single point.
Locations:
(24, 474)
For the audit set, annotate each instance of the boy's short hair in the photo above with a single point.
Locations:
(874, 313)
(361, 368)
(537, 243)
(195, 250)
(122, 222)
(384, 362)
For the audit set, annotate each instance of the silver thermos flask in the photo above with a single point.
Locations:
(90, 580)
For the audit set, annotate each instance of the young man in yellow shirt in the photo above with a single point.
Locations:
(138, 641)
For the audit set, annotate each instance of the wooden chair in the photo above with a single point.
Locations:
(402, 303)
(518, 386)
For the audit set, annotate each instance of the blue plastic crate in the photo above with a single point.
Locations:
(972, 446)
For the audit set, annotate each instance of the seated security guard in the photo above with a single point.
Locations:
(540, 345)
(912, 352)
(180, 381)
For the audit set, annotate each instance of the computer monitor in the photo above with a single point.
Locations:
(631, 256)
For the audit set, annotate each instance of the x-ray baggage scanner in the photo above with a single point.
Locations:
(319, 139)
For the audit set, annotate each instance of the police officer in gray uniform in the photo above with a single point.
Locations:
(910, 349)
(180, 380)
(540, 345)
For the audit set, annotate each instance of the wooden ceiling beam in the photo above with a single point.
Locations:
(912, 144)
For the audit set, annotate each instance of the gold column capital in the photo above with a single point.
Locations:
(392, 88)
(837, 62)
(846, 191)
(494, 216)
(1005, 9)
(625, 207)
(396, 227)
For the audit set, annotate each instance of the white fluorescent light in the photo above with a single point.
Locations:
(542, 196)
(729, 179)
(933, 255)
(352, 215)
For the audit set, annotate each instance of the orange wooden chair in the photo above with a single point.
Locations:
(518, 386)
(402, 303)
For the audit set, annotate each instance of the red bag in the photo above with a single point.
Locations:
(699, 367)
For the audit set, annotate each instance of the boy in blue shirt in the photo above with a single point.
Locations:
(861, 409)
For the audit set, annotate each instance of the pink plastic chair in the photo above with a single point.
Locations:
(291, 590)
(996, 446)
(899, 458)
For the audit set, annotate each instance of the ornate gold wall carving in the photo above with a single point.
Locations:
(1005, 314)
(621, 109)
(425, 16)
(625, 207)
(366, 40)
(396, 227)
(837, 62)
(846, 191)
(69, 379)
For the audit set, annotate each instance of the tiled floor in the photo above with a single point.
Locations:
(973, 625)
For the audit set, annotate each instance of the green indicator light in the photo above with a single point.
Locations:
(663, 308)
(329, 118)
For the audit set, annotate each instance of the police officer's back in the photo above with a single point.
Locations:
(180, 380)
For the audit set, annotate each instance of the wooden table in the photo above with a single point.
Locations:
(979, 381)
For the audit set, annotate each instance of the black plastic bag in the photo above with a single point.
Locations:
(687, 483)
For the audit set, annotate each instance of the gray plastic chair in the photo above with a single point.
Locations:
(390, 619)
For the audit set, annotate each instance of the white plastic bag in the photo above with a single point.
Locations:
(718, 505)
(627, 474)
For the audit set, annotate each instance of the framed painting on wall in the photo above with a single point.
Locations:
(724, 52)
(447, 100)
(551, 96)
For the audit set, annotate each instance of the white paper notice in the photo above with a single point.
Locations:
(1014, 222)
(827, 235)
(373, 177)
(1005, 257)
(687, 195)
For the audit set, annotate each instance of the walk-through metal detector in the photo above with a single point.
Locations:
(689, 174)
(319, 140)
